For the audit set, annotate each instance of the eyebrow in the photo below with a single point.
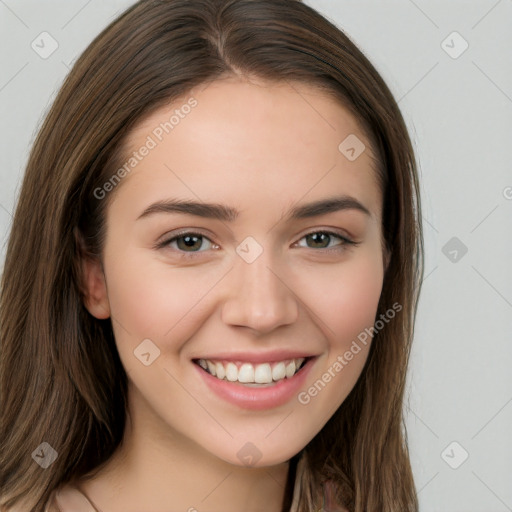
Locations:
(228, 214)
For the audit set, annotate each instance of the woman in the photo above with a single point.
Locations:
(173, 338)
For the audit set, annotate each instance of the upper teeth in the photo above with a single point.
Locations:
(263, 373)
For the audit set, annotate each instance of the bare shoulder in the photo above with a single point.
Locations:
(68, 498)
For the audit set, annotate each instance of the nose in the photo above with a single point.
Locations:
(258, 296)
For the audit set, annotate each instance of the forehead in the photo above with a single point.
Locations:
(233, 137)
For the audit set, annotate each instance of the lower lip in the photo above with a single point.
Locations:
(257, 399)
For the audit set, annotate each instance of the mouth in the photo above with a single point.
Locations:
(258, 385)
(257, 375)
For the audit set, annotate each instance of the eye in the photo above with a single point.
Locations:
(187, 242)
(322, 240)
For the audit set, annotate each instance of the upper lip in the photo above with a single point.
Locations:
(257, 357)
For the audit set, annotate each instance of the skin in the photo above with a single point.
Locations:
(260, 148)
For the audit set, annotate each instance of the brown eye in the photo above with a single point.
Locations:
(319, 240)
(323, 239)
(187, 242)
(192, 242)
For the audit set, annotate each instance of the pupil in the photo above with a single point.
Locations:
(189, 241)
(315, 237)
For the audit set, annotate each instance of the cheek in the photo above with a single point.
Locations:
(345, 297)
(346, 309)
(354, 302)
(152, 301)
(149, 299)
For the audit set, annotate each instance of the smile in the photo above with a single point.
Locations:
(248, 373)
(257, 385)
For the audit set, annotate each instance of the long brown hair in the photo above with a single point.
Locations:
(62, 381)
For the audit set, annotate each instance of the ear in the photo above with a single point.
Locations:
(95, 288)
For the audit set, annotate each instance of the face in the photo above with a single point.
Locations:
(266, 280)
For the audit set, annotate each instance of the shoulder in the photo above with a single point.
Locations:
(68, 498)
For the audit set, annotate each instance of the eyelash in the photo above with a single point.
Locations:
(194, 254)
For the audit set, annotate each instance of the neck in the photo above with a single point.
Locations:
(154, 469)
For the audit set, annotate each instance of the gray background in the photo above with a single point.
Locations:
(458, 107)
